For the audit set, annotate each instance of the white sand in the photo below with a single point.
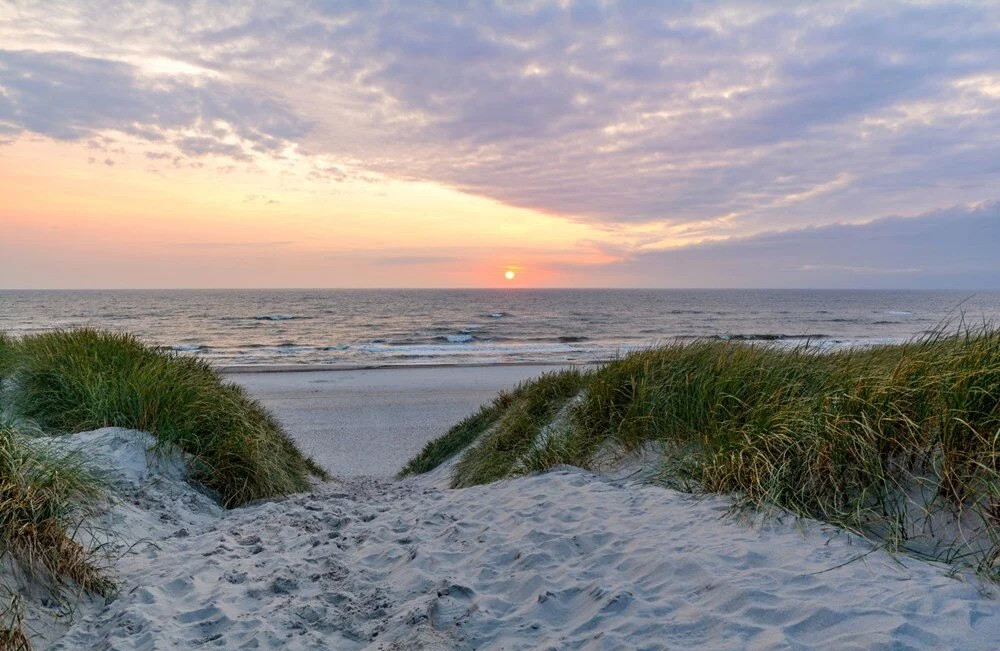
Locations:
(372, 421)
(560, 560)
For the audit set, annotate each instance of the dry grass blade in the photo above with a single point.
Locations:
(43, 494)
(12, 635)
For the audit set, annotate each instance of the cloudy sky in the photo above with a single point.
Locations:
(330, 144)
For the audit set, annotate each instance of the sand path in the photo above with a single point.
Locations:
(564, 560)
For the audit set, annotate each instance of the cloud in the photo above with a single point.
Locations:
(260, 199)
(678, 115)
(70, 97)
(415, 260)
(726, 118)
(263, 246)
(951, 248)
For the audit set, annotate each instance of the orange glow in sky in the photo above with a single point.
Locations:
(72, 219)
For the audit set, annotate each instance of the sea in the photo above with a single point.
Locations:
(370, 328)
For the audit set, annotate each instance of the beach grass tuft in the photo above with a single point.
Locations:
(69, 381)
(846, 436)
(84, 379)
(43, 496)
(526, 410)
(12, 634)
(6, 357)
(510, 418)
(459, 437)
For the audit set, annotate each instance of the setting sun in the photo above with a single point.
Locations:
(509, 275)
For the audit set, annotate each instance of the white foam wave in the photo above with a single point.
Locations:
(491, 350)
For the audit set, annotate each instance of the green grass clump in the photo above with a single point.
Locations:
(522, 409)
(43, 495)
(439, 450)
(6, 358)
(832, 436)
(839, 436)
(528, 408)
(85, 379)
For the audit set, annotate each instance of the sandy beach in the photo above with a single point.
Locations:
(372, 421)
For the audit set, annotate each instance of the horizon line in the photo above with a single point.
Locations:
(496, 288)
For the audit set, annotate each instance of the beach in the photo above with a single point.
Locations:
(372, 421)
(567, 558)
(562, 560)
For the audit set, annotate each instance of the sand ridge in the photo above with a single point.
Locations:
(561, 560)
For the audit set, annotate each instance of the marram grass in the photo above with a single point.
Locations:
(6, 346)
(499, 450)
(12, 634)
(521, 409)
(838, 436)
(77, 380)
(459, 437)
(43, 496)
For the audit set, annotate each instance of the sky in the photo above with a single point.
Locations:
(574, 144)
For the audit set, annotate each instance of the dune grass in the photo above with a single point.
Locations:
(839, 436)
(12, 634)
(499, 450)
(6, 357)
(521, 408)
(43, 496)
(459, 437)
(85, 379)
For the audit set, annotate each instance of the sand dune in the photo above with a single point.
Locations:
(561, 560)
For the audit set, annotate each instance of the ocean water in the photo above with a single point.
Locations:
(352, 328)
